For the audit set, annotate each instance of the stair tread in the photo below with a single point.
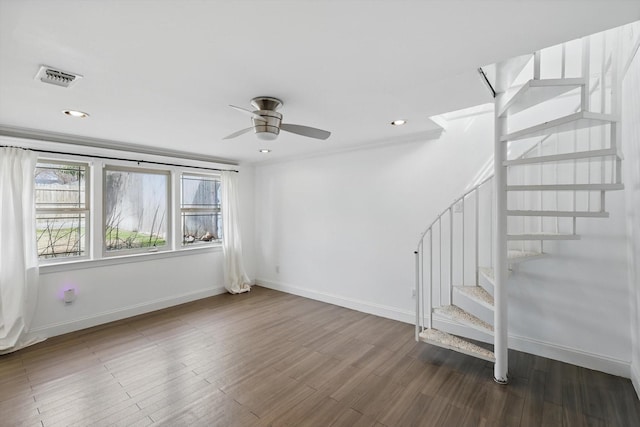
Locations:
(566, 187)
(535, 92)
(514, 255)
(539, 233)
(487, 271)
(477, 293)
(583, 214)
(486, 279)
(542, 236)
(452, 342)
(576, 155)
(575, 121)
(457, 314)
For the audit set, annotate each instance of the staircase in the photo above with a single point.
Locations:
(557, 139)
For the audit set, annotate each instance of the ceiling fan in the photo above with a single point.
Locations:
(267, 123)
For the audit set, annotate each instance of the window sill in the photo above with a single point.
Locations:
(82, 264)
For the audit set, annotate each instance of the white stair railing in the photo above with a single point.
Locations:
(451, 255)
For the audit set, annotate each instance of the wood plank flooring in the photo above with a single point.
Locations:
(268, 358)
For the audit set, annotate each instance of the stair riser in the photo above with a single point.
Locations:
(472, 306)
(447, 325)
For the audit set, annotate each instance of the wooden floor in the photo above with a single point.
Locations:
(269, 358)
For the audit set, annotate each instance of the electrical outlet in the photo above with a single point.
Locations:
(277, 269)
(413, 292)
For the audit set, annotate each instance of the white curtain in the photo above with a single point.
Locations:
(235, 277)
(18, 248)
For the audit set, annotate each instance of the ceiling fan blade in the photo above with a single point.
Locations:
(238, 133)
(245, 111)
(306, 131)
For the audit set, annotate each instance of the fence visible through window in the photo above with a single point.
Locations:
(61, 194)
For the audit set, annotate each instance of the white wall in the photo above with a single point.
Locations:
(116, 288)
(343, 227)
(631, 139)
(123, 289)
(573, 305)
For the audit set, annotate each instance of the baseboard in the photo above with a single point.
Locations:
(635, 379)
(573, 356)
(527, 345)
(60, 328)
(354, 304)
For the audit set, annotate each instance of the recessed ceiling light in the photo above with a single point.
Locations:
(399, 122)
(75, 113)
(264, 150)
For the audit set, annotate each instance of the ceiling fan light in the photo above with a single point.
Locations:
(266, 136)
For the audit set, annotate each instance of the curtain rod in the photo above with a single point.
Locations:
(120, 158)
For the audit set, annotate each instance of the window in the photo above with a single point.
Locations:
(136, 211)
(200, 210)
(142, 210)
(61, 192)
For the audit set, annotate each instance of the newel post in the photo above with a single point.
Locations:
(500, 247)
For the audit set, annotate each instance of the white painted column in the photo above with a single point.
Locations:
(500, 247)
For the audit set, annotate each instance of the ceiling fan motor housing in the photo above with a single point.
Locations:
(267, 122)
(269, 127)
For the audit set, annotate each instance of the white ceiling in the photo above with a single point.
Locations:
(162, 73)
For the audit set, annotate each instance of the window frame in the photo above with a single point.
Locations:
(95, 254)
(87, 211)
(181, 245)
(169, 246)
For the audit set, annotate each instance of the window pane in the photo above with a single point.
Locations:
(61, 235)
(135, 210)
(200, 192)
(200, 204)
(60, 186)
(200, 228)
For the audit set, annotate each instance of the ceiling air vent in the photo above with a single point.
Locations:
(57, 77)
